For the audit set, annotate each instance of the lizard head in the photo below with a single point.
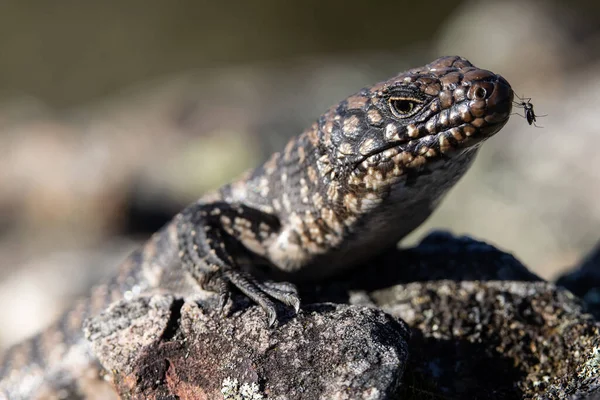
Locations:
(422, 116)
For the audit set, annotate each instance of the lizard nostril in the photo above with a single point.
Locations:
(480, 93)
(481, 90)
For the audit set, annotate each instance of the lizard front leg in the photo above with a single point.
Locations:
(213, 237)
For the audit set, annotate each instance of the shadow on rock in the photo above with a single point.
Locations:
(439, 256)
(458, 369)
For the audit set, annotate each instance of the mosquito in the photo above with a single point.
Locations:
(525, 104)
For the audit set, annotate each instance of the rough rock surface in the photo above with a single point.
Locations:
(482, 326)
(161, 347)
(495, 340)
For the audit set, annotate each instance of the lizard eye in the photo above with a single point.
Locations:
(404, 107)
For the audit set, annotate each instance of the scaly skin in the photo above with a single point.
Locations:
(365, 174)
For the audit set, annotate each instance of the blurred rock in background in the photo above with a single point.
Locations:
(115, 115)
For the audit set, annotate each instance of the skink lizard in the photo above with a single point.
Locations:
(369, 171)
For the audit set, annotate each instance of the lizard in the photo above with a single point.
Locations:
(365, 174)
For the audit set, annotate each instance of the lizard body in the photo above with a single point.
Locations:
(366, 173)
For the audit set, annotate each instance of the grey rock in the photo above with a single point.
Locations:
(161, 346)
(584, 281)
(126, 328)
(495, 340)
(482, 326)
(440, 255)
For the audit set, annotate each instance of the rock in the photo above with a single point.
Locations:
(584, 281)
(440, 255)
(482, 326)
(127, 328)
(495, 340)
(160, 346)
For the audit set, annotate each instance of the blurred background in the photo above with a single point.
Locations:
(113, 115)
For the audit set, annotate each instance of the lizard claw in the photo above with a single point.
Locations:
(282, 291)
(223, 295)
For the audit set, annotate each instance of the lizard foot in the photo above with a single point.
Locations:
(260, 292)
